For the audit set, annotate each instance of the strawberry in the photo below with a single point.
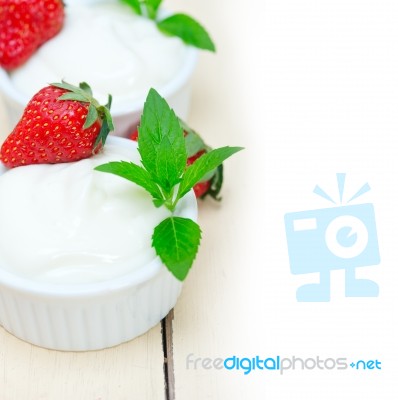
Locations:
(195, 146)
(24, 26)
(200, 188)
(61, 123)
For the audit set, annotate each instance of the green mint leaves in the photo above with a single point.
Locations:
(176, 241)
(165, 176)
(161, 144)
(189, 30)
(147, 8)
(202, 166)
(136, 174)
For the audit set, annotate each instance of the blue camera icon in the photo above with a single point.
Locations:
(326, 239)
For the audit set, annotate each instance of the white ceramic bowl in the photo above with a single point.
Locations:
(91, 316)
(177, 92)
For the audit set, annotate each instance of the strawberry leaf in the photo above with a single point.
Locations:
(95, 111)
(188, 29)
(66, 86)
(161, 143)
(193, 142)
(204, 164)
(216, 184)
(176, 241)
(86, 88)
(106, 114)
(92, 116)
(133, 173)
(103, 134)
(74, 96)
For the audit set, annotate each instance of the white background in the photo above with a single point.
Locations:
(317, 87)
(323, 99)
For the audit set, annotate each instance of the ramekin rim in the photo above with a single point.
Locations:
(166, 90)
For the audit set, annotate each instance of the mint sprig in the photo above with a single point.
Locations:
(166, 178)
(135, 5)
(183, 26)
(189, 30)
(176, 241)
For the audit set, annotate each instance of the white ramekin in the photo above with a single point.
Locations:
(79, 317)
(177, 93)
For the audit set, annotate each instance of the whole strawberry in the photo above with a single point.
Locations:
(61, 123)
(24, 26)
(196, 147)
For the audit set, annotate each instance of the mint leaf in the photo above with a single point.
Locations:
(133, 173)
(204, 164)
(188, 29)
(152, 7)
(176, 241)
(147, 8)
(135, 5)
(161, 143)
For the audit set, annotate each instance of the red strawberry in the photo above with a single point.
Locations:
(61, 123)
(200, 188)
(24, 26)
(134, 135)
(196, 148)
(52, 16)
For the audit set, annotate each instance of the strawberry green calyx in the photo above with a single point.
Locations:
(193, 142)
(196, 147)
(84, 94)
(215, 184)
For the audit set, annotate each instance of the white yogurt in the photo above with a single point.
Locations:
(66, 223)
(111, 48)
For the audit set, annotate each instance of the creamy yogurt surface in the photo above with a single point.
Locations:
(66, 223)
(107, 45)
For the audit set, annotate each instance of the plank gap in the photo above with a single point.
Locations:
(168, 364)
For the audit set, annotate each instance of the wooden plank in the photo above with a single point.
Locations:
(167, 339)
(133, 370)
